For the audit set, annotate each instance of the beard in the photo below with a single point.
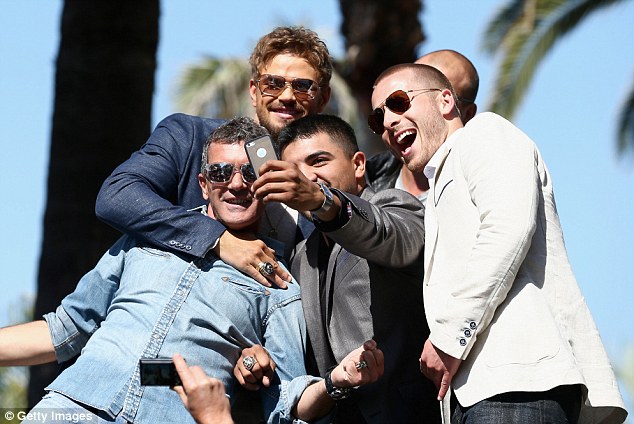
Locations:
(432, 131)
(275, 126)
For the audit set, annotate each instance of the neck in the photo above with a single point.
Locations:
(414, 183)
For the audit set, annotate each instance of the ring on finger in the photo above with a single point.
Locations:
(265, 268)
(249, 362)
(360, 365)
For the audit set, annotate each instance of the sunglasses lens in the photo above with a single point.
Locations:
(375, 121)
(219, 172)
(398, 102)
(248, 175)
(302, 85)
(271, 84)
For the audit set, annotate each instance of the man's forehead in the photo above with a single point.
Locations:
(234, 153)
(289, 65)
(391, 83)
(315, 144)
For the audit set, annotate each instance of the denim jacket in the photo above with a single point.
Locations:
(140, 302)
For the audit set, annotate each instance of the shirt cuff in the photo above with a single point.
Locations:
(67, 340)
(342, 218)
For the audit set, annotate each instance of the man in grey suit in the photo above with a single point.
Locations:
(510, 330)
(360, 269)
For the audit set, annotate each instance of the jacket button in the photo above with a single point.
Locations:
(463, 342)
(172, 242)
(188, 247)
(467, 333)
(473, 325)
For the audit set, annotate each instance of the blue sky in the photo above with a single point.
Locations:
(570, 111)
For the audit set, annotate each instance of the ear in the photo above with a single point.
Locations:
(447, 104)
(253, 92)
(202, 181)
(324, 98)
(358, 160)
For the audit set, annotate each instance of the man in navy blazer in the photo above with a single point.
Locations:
(151, 193)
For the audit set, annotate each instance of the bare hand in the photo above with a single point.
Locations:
(287, 185)
(349, 373)
(203, 396)
(263, 370)
(244, 252)
(439, 367)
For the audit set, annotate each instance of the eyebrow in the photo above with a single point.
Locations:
(319, 153)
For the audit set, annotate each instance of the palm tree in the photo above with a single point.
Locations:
(523, 31)
(103, 98)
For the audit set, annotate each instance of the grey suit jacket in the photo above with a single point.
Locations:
(379, 297)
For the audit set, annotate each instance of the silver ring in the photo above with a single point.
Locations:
(360, 365)
(265, 268)
(248, 362)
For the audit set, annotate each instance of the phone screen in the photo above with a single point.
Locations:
(158, 372)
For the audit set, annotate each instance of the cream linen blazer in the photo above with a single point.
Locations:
(499, 290)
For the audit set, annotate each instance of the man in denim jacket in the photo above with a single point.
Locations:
(143, 302)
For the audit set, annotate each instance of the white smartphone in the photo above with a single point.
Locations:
(259, 151)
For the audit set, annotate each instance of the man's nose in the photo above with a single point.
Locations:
(287, 93)
(236, 182)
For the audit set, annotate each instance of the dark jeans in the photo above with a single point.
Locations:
(560, 405)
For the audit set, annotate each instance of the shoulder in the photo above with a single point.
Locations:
(182, 123)
(392, 196)
(492, 135)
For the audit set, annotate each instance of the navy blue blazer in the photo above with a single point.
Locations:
(149, 194)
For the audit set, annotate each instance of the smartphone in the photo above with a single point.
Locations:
(158, 372)
(259, 151)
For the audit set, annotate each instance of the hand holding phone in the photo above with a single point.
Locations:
(259, 151)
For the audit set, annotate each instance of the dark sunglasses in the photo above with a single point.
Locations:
(222, 172)
(398, 102)
(274, 85)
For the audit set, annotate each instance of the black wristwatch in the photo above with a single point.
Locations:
(336, 393)
(328, 200)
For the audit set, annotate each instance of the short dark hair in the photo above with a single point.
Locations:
(339, 131)
(235, 131)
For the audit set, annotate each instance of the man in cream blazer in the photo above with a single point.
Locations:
(510, 330)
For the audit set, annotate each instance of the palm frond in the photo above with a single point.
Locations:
(501, 24)
(215, 87)
(524, 50)
(625, 141)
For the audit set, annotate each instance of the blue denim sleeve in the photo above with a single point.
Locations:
(82, 311)
(148, 196)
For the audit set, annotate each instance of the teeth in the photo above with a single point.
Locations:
(237, 201)
(404, 134)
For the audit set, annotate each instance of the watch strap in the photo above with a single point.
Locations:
(336, 393)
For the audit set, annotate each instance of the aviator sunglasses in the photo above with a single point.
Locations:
(274, 85)
(222, 172)
(398, 102)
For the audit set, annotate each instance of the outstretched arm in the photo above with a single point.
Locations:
(26, 344)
